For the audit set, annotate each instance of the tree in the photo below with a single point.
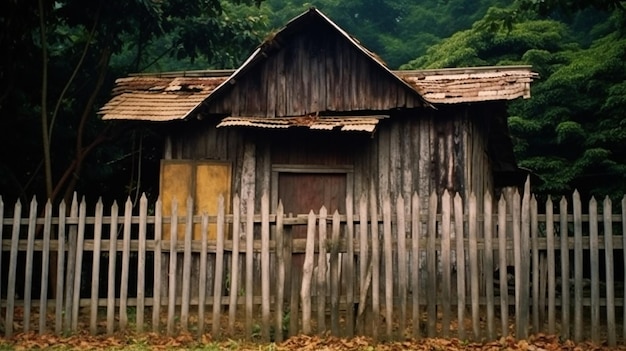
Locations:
(570, 133)
(59, 66)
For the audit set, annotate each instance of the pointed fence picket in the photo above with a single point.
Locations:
(426, 256)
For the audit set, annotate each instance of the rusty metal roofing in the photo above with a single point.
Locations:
(343, 123)
(158, 98)
(461, 85)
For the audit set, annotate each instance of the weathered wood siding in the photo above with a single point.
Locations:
(316, 72)
(421, 150)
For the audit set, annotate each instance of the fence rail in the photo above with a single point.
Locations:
(432, 266)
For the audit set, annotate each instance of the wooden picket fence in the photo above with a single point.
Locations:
(418, 267)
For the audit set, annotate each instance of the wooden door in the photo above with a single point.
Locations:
(303, 192)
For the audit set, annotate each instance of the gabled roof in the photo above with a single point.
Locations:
(180, 95)
(173, 96)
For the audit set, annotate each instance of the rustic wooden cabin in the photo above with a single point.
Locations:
(313, 116)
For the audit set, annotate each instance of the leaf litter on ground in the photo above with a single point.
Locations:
(187, 341)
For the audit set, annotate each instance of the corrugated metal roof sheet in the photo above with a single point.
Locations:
(349, 123)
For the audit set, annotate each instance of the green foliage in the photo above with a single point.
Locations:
(572, 130)
(89, 45)
(397, 30)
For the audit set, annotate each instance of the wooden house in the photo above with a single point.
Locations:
(312, 116)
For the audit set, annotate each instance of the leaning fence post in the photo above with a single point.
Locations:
(460, 261)
(79, 263)
(111, 272)
(280, 261)
(375, 263)
(95, 268)
(156, 291)
(45, 267)
(1, 227)
(28, 276)
(446, 267)
(578, 267)
(610, 286)
(128, 213)
(488, 225)
(473, 262)
(171, 297)
(431, 265)
(15, 236)
(219, 268)
(307, 274)
(71, 264)
(388, 264)
(265, 266)
(141, 262)
(186, 278)
(415, 262)
(234, 287)
(321, 273)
